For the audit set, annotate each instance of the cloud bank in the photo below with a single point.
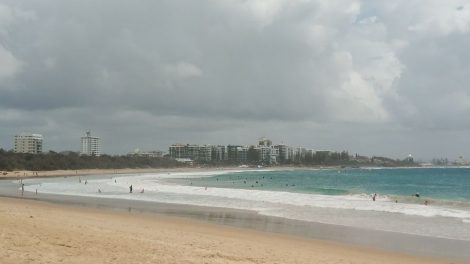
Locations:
(372, 77)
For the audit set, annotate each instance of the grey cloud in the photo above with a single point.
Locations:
(328, 74)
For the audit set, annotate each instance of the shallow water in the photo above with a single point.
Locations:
(325, 196)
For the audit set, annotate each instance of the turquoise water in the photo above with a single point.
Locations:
(339, 197)
(434, 183)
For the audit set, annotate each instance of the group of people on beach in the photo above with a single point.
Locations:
(115, 181)
(417, 195)
(22, 187)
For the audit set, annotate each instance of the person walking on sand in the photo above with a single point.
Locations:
(130, 189)
(22, 189)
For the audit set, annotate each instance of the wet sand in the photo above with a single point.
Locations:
(40, 232)
(363, 239)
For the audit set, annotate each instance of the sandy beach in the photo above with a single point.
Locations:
(87, 172)
(24, 174)
(39, 232)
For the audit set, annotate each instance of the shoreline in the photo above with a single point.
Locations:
(417, 245)
(28, 174)
(387, 241)
(17, 175)
(36, 231)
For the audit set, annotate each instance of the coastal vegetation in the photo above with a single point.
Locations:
(10, 161)
(319, 158)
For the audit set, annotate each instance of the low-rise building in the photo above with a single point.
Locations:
(193, 152)
(147, 154)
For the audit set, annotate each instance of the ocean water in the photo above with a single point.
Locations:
(339, 197)
(439, 184)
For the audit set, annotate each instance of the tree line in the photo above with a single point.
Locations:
(10, 161)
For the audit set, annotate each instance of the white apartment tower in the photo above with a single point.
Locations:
(28, 143)
(90, 146)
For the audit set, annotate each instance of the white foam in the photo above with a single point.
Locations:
(187, 175)
(155, 185)
(351, 210)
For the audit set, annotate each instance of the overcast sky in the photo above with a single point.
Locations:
(373, 77)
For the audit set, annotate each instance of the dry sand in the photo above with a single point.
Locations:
(38, 232)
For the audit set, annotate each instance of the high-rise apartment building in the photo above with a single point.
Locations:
(90, 146)
(268, 154)
(28, 143)
(283, 151)
(236, 153)
(219, 153)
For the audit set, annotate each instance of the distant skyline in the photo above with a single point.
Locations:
(385, 78)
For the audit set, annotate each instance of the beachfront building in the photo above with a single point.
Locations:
(28, 143)
(267, 155)
(274, 155)
(219, 153)
(178, 151)
(147, 154)
(232, 152)
(283, 153)
(264, 154)
(237, 153)
(299, 154)
(90, 146)
(242, 154)
(193, 152)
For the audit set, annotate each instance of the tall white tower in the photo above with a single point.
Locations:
(90, 146)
